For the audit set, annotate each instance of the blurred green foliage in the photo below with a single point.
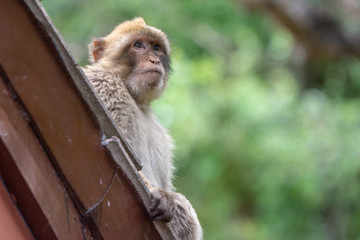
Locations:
(258, 157)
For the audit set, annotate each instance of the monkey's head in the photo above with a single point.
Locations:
(139, 54)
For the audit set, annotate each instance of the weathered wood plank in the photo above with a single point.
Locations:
(29, 175)
(11, 222)
(66, 117)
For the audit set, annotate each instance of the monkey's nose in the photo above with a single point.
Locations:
(156, 62)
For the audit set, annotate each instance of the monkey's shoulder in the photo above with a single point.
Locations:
(102, 78)
(108, 86)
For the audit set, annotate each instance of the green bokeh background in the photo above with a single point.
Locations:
(258, 157)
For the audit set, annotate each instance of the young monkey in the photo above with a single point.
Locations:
(129, 69)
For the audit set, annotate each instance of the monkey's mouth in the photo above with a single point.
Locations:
(152, 71)
(152, 77)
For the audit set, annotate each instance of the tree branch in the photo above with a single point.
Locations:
(313, 27)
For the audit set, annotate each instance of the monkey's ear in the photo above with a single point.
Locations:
(98, 48)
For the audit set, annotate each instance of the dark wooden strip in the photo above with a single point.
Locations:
(42, 75)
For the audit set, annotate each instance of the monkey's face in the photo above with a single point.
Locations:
(149, 65)
(138, 54)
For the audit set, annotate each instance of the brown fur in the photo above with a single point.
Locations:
(127, 78)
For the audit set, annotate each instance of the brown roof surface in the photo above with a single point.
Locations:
(65, 183)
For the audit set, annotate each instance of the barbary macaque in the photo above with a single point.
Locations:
(129, 68)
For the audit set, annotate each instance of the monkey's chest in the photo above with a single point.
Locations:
(156, 155)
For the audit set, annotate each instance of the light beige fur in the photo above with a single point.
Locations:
(130, 108)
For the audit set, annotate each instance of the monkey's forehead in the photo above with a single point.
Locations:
(126, 31)
(138, 26)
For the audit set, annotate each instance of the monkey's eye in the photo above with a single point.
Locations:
(138, 44)
(156, 47)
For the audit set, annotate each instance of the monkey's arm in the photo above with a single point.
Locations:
(112, 92)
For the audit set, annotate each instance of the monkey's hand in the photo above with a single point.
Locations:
(162, 205)
(174, 208)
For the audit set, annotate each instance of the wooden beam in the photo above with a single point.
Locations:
(11, 222)
(69, 122)
(30, 177)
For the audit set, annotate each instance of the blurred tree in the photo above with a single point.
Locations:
(259, 155)
(320, 35)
